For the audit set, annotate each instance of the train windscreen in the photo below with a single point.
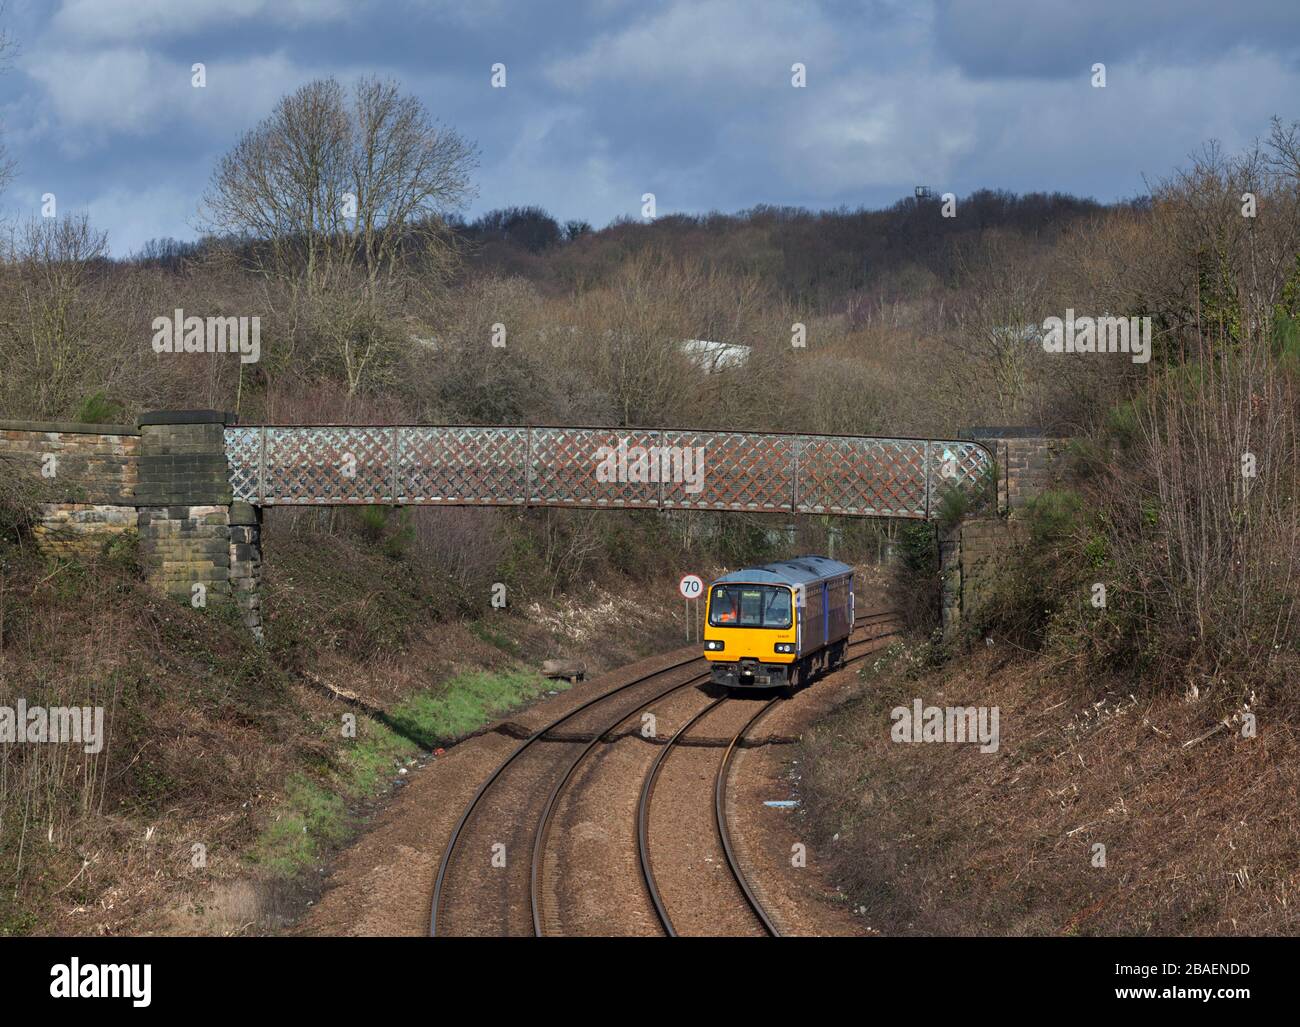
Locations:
(750, 606)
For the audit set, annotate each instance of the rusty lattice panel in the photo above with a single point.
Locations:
(243, 460)
(862, 477)
(595, 467)
(463, 466)
(739, 471)
(328, 466)
(600, 468)
(956, 465)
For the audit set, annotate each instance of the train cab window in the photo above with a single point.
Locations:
(750, 606)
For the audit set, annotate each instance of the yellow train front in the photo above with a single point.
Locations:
(779, 625)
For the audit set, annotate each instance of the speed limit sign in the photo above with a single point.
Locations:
(691, 587)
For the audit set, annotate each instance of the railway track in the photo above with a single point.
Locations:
(476, 803)
(720, 794)
(629, 690)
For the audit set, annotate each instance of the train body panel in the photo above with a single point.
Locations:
(774, 625)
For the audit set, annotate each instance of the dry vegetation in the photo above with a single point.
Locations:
(941, 839)
(915, 326)
(1161, 725)
(213, 740)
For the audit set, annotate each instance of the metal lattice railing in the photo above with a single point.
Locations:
(600, 468)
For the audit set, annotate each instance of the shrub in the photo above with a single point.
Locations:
(97, 408)
(916, 576)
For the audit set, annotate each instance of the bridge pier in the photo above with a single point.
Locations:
(950, 580)
(972, 551)
(246, 564)
(196, 543)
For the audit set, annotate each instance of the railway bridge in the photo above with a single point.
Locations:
(195, 483)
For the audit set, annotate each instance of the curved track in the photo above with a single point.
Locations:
(543, 825)
(720, 795)
(599, 734)
(724, 834)
(527, 744)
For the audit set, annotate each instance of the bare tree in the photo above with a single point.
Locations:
(339, 200)
(405, 171)
(323, 185)
(1005, 285)
(58, 336)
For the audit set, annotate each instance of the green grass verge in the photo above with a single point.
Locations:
(369, 763)
(312, 818)
(495, 638)
(466, 702)
(315, 817)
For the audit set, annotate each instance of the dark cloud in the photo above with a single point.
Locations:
(689, 99)
(1063, 38)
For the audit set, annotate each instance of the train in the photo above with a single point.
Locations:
(779, 625)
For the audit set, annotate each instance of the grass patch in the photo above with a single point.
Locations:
(315, 817)
(369, 764)
(466, 702)
(312, 818)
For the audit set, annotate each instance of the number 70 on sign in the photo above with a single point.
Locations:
(691, 587)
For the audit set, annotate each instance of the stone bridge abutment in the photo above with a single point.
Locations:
(167, 480)
(1027, 462)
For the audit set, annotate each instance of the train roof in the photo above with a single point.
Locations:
(801, 570)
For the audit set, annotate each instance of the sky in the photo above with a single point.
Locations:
(691, 100)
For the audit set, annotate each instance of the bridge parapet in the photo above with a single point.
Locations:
(87, 474)
(603, 468)
(1027, 461)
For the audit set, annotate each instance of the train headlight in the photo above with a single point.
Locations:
(713, 644)
(785, 647)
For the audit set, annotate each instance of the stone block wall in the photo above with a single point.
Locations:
(183, 462)
(81, 529)
(950, 579)
(246, 564)
(985, 543)
(192, 541)
(1028, 461)
(87, 473)
(92, 464)
(185, 546)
